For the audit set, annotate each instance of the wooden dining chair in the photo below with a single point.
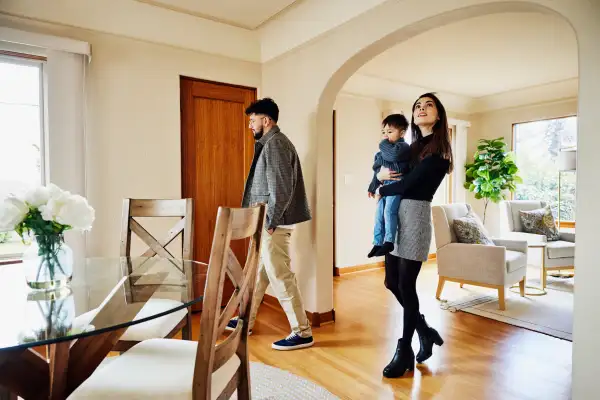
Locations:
(169, 325)
(181, 369)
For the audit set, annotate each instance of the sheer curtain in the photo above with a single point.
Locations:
(65, 69)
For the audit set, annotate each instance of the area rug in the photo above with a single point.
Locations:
(551, 314)
(270, 383)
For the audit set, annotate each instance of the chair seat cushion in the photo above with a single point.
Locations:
(515, 260)
(153, 369)
(158, 327)
(152, 329)
(560, 249)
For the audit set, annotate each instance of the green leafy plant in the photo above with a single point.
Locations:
(492, 172)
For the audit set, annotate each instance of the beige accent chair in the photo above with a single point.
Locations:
(557, 255)
(496, 267)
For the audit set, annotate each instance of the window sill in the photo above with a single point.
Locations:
(11, 252)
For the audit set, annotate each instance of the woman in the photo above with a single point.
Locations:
(431, 160)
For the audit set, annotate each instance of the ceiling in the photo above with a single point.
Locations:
(483, 56)
(242, 13)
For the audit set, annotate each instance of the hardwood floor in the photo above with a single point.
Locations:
(481, 358)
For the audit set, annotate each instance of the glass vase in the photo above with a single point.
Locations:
(48, 263)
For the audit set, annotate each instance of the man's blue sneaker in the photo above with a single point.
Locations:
(231, 325)
(293, 342)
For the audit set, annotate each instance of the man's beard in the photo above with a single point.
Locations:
(258, 134)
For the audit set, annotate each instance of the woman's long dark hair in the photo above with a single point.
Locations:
(440, 142)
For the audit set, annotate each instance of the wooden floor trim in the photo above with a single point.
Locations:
(339, 271)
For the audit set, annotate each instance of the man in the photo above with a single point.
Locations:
(275, 178)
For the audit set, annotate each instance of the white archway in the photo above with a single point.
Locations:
(305, 83)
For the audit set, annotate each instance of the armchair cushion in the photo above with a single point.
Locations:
(568, 236)
(540, 222)
(469, 230)
(560, 249)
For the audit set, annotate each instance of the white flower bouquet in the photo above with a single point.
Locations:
(44, 214)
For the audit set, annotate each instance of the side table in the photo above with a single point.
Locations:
(534, 290)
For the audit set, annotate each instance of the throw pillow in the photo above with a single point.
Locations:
(469, 230)
(540, 222)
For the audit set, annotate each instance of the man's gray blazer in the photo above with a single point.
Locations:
(275, 178)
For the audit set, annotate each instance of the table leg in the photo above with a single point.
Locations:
(59, 363)
(543, 277)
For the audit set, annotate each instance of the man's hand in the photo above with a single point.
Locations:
(371, 195)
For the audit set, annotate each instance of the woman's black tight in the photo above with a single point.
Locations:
(401, 279)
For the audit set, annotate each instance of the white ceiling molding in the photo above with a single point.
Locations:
(305, 21)
(241, 13)
(141, 21)
(548, 93)
(44, 41)
(377, 88)
(401, 92)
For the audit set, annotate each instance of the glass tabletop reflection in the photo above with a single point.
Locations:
(105, 294)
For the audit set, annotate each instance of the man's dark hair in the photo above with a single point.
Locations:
(397, 121)
(264, 106)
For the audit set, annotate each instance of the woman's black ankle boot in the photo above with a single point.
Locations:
(404, 360)
(427, 338)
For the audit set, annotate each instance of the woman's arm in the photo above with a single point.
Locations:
(430, 165)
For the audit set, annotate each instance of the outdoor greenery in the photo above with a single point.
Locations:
(492, 172)
(537, 145)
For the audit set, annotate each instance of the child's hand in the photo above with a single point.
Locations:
(385, 175)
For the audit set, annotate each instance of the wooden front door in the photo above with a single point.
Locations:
(216, 153)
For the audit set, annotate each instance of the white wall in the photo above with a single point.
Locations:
(499, 123)
(133, 119)
(358, 127)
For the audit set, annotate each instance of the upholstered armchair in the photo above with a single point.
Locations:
(496, 266)
(557, 255)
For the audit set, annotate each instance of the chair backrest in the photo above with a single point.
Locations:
(443, 219)
(231, 224)
(133, 208)
(510, 220)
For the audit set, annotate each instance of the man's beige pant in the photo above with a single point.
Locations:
(275, 269)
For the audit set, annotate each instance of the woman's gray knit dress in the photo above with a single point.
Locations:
(413, 238)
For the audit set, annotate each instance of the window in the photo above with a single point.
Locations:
(21, 133)
(537, 145)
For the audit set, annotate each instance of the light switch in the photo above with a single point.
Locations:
(348, 179)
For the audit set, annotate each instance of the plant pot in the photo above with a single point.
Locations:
(48, 263)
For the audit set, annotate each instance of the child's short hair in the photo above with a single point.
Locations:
(397, 121)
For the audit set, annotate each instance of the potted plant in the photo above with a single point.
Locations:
(40, 217)
(492, 172)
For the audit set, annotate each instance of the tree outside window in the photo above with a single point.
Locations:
(536, 146)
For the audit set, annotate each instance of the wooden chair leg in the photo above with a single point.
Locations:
(522, 287)
(440, 287)
(501, 302)
(186, 331)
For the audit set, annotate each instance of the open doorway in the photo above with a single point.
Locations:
(483, 101)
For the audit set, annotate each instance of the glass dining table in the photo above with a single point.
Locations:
(80, 324)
